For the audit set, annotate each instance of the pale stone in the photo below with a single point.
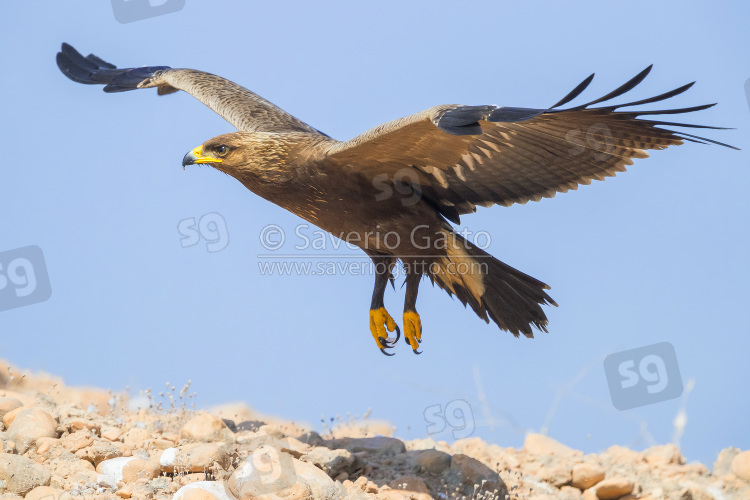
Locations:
(201, 494)
(20, 475)
(586, 475)
(29, 425)
(8, 417)
(195, 457)
(741, 465)
(8, 405)
(77, 440)
(98, 452)
(693, 493)
(206, 427)
(139, 469)
(78, 424)
(613, 488)
(570, 493)
(539, 444)
(410, 487)
(268, 472)
(663, 454)
(555, 474)
(333, 462)
(114, 467)
(47, 493)
(135, 437)
(111, 433)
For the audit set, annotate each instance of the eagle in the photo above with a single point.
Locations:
(396, 190)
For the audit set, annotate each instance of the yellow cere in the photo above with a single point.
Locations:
(198, 152)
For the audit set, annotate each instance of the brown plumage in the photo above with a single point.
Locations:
(394, 190)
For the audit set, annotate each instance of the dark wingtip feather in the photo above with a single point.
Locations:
(94, 70)
(575, 92)
(625, 87)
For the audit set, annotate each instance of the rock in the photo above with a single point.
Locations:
(98, 452)
(8, 417)
(622, 455)
(206, 427)
(267, 472)
(270, 473)
(77, 440)
(111, 433)
(613, 488)
(409, 487)
(589, 494)
(693, 493)
(466, 473)
(8, 405)
(555, 474)
(114, 467)
(135, 437)
(195, 457)
(30, 424)
(311, 438)
(202, 490)
(20, 475)
(192, 478)
(332, 462)
(47, 493)
(381, 444)
(432, 461)
(741, 465)
(663, 454)
(586, 475)
(539, 444)
(140, 469)
(44, 444)
(570, 493)
(321, 485)
(723, 463)
(78, 424)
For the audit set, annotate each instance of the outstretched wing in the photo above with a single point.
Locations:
(463, 156)
(242, 108)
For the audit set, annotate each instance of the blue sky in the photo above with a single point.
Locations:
(658, 254)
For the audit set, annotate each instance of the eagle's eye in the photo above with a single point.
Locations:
(222, 150)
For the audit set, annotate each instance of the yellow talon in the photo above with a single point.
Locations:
(380, 320)
(413, 329)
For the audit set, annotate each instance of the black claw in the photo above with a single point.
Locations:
(398, 335)
(416, 352)
(383, 351)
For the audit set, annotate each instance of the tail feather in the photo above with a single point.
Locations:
(493, 289)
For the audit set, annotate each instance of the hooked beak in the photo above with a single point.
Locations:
(196, 156)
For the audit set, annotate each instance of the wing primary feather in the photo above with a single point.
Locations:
(627, 86)
(670, 111)
(686, 136)
(575, 92)
(676, 124)
(657, 98)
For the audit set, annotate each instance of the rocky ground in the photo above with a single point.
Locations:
(58, 442)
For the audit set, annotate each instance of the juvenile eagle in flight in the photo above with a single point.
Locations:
(394, 190)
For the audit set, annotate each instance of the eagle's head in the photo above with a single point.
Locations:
(257, 157)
